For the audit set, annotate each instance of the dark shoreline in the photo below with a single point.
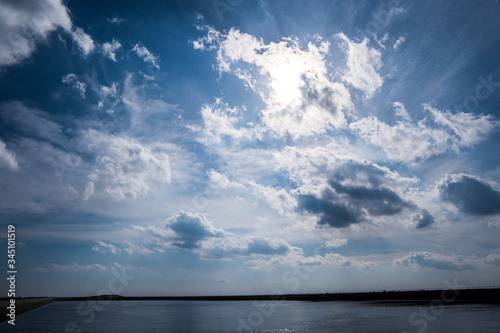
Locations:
(421, 297)
(446, 295)
(23, 305)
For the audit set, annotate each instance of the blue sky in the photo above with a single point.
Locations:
(240, 147)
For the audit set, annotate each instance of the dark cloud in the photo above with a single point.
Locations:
(191, 229)
(378, 201)
(188, 231)
(342, 205)
(366, 173)
(336, 215)
(266, 246)
(437, 261)
(470, 195)
(323, 96)
(422, 219)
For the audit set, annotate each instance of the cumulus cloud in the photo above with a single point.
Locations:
(470, 194)
(147, 56)
(109, 49)
(221, 180)
(189, 230)
(76, 82)
(408, 142)
(342, 190)
(83, 41)
(348, 205)
(492, 259)
(220, 121)
(293, 81)
(7, 158)
(127, 168)
(468, 127)
(277, 198)
(23, 23)
(403, 141)
(436, 261)
(194, 232)
(332, 213)
(420, 220)
(363, 64)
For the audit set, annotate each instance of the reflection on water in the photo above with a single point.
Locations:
(258, 316)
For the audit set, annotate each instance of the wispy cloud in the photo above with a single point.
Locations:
(363, 64)
(147, 56)
(83, 41)
(109, 49)
(78, 83)
(7, 158)
(20, 29)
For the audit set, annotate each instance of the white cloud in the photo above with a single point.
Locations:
(104, 247)
(7, 159)
(468, 127)
(194, 232)
(219, 121)
(408, 142)
(116, 20)
(222, 181)
(293, 81)
(336, 242)
(278, 199)
(109, 49)
(209, 41)
(89, 191)
(24, 22)
(76, 82)
(404, 141)
(311, 167)
(492, 259)
(83, 41)
(436, 261)
(401, 112)
(400, 41)
(77, 267)
(110, 91)
(147, 56)
(363, 63)
(128, 168)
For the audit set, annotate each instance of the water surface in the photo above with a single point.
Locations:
(257, 317)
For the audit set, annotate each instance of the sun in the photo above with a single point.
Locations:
(286, 77)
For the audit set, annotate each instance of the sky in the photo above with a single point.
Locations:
(236, 147)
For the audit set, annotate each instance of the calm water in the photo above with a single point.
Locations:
(265, 316)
